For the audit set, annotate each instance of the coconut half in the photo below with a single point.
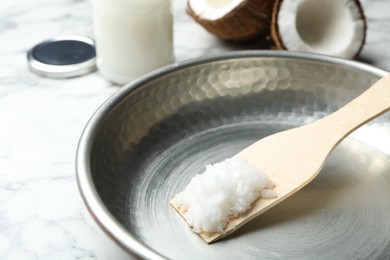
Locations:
(331, 27)
(237, 20)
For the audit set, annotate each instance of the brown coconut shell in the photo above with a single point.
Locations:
(278, 40)
(248, 20)
(275, 35)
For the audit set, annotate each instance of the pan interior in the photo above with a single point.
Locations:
(163, 133)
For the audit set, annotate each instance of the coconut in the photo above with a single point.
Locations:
(331, 27)
(237, 20)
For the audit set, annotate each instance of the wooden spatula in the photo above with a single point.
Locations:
(293, 158)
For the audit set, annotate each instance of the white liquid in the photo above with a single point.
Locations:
(132, 37)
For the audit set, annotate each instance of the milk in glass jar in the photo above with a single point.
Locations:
(133, 37)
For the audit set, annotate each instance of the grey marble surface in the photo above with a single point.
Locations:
(41, 212)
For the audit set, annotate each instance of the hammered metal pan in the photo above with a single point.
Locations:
(146, 142)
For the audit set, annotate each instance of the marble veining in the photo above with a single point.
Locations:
(41, 212)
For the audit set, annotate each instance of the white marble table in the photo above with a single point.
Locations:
(41, 212)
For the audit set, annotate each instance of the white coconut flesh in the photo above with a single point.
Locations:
(213, 9)
(332, 27)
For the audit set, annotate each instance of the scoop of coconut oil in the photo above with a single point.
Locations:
(222, 192)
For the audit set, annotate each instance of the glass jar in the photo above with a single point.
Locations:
(133, 37)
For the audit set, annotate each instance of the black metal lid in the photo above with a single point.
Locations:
(63, 57)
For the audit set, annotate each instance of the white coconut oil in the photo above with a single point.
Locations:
(221, 193)
(133, 37)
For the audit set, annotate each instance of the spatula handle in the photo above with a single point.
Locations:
(372, 103)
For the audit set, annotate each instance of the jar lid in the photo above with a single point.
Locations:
(63, 57)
